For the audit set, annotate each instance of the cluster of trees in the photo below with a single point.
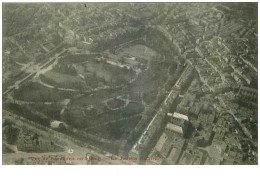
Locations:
(10, 132)
(66, 69)
(26, 112)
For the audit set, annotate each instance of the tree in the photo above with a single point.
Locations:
(11, 134)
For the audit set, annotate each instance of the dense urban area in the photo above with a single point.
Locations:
(130, 83)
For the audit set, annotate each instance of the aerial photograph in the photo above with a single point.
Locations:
(130, 83)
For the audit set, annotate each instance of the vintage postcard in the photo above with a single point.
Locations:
(130, 83)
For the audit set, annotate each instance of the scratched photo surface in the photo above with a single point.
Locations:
(130, 83)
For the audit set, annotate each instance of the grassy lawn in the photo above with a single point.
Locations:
(34, 92)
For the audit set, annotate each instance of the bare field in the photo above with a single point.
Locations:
(139, 51)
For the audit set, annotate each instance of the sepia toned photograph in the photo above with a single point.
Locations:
(130, 83)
